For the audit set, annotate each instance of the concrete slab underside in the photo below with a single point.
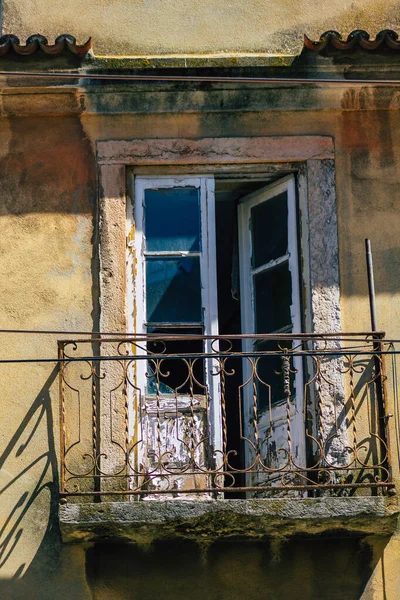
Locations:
(145, 521)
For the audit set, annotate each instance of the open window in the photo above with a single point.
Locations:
(270, 304)
(214, 256)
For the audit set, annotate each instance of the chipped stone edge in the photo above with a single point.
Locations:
(143, 522)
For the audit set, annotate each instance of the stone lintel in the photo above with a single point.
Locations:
(145, 521)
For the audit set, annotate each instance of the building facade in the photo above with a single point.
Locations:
(195, 401)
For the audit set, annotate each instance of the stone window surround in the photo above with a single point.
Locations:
(310, 157)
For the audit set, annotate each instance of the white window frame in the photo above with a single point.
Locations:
(277, 413)
(286, 184)
(208, 276)
(207, 253)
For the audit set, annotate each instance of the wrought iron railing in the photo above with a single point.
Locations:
(247, 416)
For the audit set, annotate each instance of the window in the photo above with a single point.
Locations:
(270, 303)
(217, 256)
(175, 240)
(180, 230)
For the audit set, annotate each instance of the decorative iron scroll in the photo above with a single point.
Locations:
(294, 414)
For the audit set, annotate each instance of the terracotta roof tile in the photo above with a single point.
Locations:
(10, 44)
(330, 40)
(357, 39)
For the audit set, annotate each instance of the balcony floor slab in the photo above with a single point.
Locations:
(145, 521)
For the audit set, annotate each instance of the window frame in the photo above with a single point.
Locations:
(207, 254)
(208, 276)
(273, 416)
(311, 157)
(247, 292)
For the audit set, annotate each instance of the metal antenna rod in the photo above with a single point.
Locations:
(371, 284)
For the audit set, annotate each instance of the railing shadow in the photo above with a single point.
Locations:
(30, 493)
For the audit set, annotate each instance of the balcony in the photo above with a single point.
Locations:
(245, 435)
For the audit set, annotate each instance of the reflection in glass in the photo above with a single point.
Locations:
(269, 228)
(175, 376)
(173, 290)
(269, 371)
(273, 297)
(172, 220)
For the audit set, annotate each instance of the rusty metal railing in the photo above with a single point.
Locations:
(247, 416)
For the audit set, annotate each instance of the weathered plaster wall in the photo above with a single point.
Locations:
(46, 207)
(366, 132)
(296, 570)
(199, 26)
(47, 267)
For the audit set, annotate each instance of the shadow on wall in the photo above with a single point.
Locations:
(29, 490)
(34, 563)
(47, 171)
(296, 569)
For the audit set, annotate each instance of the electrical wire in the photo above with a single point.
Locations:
(198, 78)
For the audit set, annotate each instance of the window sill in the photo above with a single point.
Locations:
(143, 522)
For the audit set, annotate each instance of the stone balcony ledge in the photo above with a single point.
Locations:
(145, 521)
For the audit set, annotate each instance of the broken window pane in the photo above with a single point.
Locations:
(176, 375)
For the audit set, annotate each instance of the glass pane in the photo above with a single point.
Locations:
(273, 297)
(176, 374)
(269, 229)
(173, 290)
(172, 219)
(270, 387)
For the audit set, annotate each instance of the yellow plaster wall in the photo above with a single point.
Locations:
(137, 27)
(384, 583)
(46, 207)
(47, 263)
